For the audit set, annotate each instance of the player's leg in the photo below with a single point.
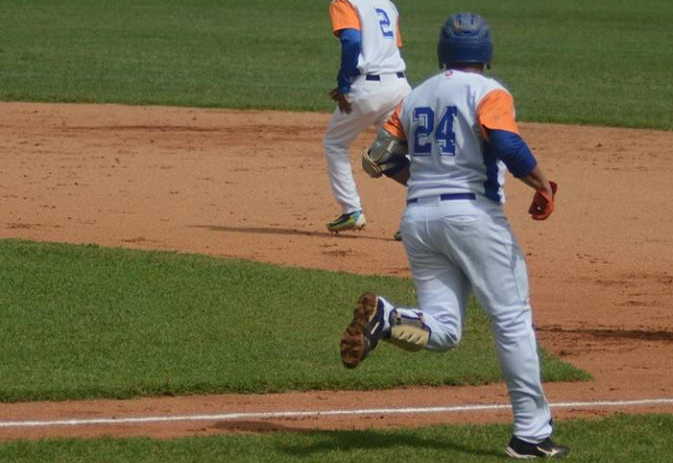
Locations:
(341, 132)
(442, 290)
(375, 319)
(491, 258)
(371, 102)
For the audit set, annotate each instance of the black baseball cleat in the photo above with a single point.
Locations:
(363, 332)
(523, 450)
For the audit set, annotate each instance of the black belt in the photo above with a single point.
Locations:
(448, 197)
(377, 77)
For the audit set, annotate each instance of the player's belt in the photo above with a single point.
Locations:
(445, 197)
(378, 77)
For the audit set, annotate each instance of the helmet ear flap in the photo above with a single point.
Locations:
(465, 38)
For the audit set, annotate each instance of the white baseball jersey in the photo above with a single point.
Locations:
(441, 120)
(378, 22)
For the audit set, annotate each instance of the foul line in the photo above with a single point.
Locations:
(317, 414)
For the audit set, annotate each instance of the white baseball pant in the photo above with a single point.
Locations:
(455, 247)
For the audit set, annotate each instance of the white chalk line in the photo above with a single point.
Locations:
(317, 414)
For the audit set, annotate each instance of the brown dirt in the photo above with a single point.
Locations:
(253, 185)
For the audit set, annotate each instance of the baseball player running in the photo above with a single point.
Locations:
(370, 84)
(460, 132)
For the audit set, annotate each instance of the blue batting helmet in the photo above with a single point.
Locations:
(464, 38)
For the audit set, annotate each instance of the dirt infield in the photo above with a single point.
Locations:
(253, 185)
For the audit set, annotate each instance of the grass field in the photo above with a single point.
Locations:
(86, 322)
(620, 439)
(94, 322)
(606, 62)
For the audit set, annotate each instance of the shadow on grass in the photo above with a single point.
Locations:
(347, 441)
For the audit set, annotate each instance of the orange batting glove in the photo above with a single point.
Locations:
(543, 203)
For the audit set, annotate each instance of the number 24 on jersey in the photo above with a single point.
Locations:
(427, 132)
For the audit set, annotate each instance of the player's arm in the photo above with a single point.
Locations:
(346, 26)
(496, 116)
(351, 45)
(387, 155)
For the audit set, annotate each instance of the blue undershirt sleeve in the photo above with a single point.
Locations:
(351, 45)
(513, 151)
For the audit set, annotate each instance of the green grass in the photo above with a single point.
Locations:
(617, 439)
(605, 62)
(87, 321)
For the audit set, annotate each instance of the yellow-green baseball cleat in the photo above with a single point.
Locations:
(351, 221)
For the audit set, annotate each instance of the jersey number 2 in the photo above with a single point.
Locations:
(384, 22)
(424, 119)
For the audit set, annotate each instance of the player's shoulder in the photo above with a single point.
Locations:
(493, 83)
(492, 87)
(480, 85)
(475, 79)
(433, 80)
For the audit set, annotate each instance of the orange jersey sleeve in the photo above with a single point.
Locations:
(496, 111)
(394, 125)
(344, 16)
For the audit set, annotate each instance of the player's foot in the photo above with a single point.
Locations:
(351, 221)
(363, 332)
(546, 449)
(397, 236)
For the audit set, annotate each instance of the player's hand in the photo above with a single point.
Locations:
(543, 203)
(341, 100)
